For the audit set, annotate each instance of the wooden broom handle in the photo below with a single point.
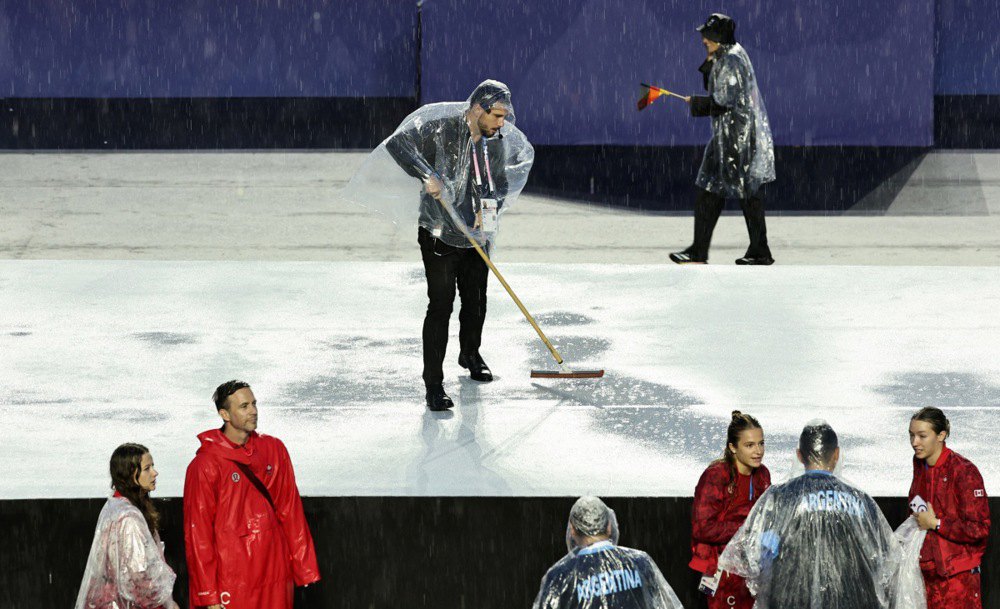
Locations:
(503, 282)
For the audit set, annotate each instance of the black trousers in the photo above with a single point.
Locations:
(447, 267)
(707, 208)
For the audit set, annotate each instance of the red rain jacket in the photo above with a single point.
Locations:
(240, 551)
(954, 487)
(715, 517)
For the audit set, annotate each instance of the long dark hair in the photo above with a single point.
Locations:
(737, 425)
(935, 417)
(126, 464)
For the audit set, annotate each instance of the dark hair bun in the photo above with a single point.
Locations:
(737, 414)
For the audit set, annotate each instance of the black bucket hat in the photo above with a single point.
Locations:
(719, 28)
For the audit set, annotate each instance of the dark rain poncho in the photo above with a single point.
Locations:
(435, 140)
(740, 157)
(605, 576)
(815, 542)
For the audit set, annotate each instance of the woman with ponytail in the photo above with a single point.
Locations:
(723, 498)
(949, 502)
(126, 568)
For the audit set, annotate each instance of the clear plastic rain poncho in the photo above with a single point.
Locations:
(477, 176)
(740, 157)
(603, 575)
(910, 593)
(126, 568)
(815, 541)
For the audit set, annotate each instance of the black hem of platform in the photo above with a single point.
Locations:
(415, 552)
(199, 122)
(815, 179)
(967, 121)
(960, 121)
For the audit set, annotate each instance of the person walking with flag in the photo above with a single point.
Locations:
(739, 159)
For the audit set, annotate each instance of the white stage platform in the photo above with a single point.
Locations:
(94, 353)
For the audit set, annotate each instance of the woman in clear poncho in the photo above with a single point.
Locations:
(597, 573)
(739, 159)
(126, 568)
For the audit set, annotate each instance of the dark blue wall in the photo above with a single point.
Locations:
(968, 47)
(831, 73)
(207, 48)
(260, 73)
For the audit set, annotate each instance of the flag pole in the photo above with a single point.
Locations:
(663, 91)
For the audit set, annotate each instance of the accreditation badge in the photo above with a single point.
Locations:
(710, 583)
(489, 207)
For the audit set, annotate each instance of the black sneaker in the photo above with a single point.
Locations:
(437, 399)
(686, 258)
(752, 260)
(478, 370)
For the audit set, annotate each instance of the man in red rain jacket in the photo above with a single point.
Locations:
(959, 512)
(246, 537)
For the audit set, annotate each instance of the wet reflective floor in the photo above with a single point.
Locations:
(95, 353)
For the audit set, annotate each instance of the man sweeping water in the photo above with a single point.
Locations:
(467, 162)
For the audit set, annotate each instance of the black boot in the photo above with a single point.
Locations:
(477, 368)
(437, 399)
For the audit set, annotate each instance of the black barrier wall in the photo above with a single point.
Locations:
(374, 552)
(199, 122)
(820, 179)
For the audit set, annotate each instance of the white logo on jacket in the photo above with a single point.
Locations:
(236, 477)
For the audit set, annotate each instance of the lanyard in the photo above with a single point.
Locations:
(486, 160)
(751, 486)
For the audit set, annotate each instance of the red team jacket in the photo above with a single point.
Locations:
(240, 551)
(954, 487)
(718, 514)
